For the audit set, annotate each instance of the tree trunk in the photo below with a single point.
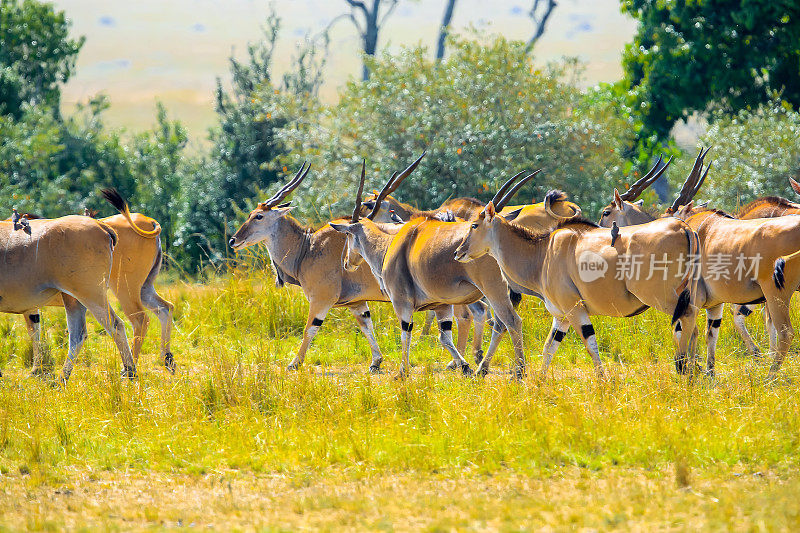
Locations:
(370, 35)
(540, 23)
(444, 28)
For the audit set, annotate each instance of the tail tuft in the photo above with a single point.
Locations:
(682, 306)
(115, 198)
(778, 273)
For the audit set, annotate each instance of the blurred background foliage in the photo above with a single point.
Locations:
(754, 153)
(483, 112)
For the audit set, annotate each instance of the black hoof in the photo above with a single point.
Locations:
(292, 368)
(482, 371)
(373, 369)
(681, 366)
(478, 357)
(466, 370)
(169, 362)
(518, 374)
(129, 373)
(60, 381)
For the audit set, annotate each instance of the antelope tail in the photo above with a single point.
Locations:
(113, 197)
(688, 285)
(779, 270)
(555, 196)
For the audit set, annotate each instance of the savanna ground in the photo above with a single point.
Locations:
(234, 441)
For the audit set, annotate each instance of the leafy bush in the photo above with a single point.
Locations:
(36, 55)
(754, 154)
(245, 144)
(483, 114)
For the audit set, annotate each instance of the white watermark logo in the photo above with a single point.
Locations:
(591, 266)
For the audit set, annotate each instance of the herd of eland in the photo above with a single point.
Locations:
(464, 261)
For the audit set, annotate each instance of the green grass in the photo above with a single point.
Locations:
(233, 440)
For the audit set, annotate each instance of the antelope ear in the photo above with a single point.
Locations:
(489, 211)
(617, 199)
(513, 214)
(795, 185)
(341, 228)
(639, 203)
(283, 211)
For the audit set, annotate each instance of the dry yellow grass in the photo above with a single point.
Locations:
(234, 441)
(570, 498)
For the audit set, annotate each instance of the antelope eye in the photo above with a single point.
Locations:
(474, 225)
(259, 216)
(607, 212)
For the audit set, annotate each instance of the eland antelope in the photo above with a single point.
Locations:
(761, 253)
(69, 256)
(575, 270)
(312, 259)
(744, 246)
(136, 263)
(542, 216)
(417, 270)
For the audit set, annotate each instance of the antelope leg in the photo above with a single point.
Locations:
(364, 319)
(316, 315)
(479, 312)
(557, 331)
(444, 315)
(714, 320)
(33, 324)
(76, 326)
(740, 312)
(579, 319)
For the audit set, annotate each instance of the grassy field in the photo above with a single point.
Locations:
(234, 441)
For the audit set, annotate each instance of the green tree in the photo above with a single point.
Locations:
(754, 153)
(482, 113)
(55, 168)
(36, 55)
(28, 153)
(245, 144)
(709, 55)
(159, 164)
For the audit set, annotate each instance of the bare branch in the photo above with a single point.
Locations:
(540, 22)
(371, 24)
(389, 11)
(359, 29)
(326, 30)
(357, 4)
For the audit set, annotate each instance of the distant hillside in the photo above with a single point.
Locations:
(137, 52)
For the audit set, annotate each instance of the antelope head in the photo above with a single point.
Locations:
(479, 238)
(625, 209)
(384, 202)
(354, 249)
(261, 222)
(387, 206)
